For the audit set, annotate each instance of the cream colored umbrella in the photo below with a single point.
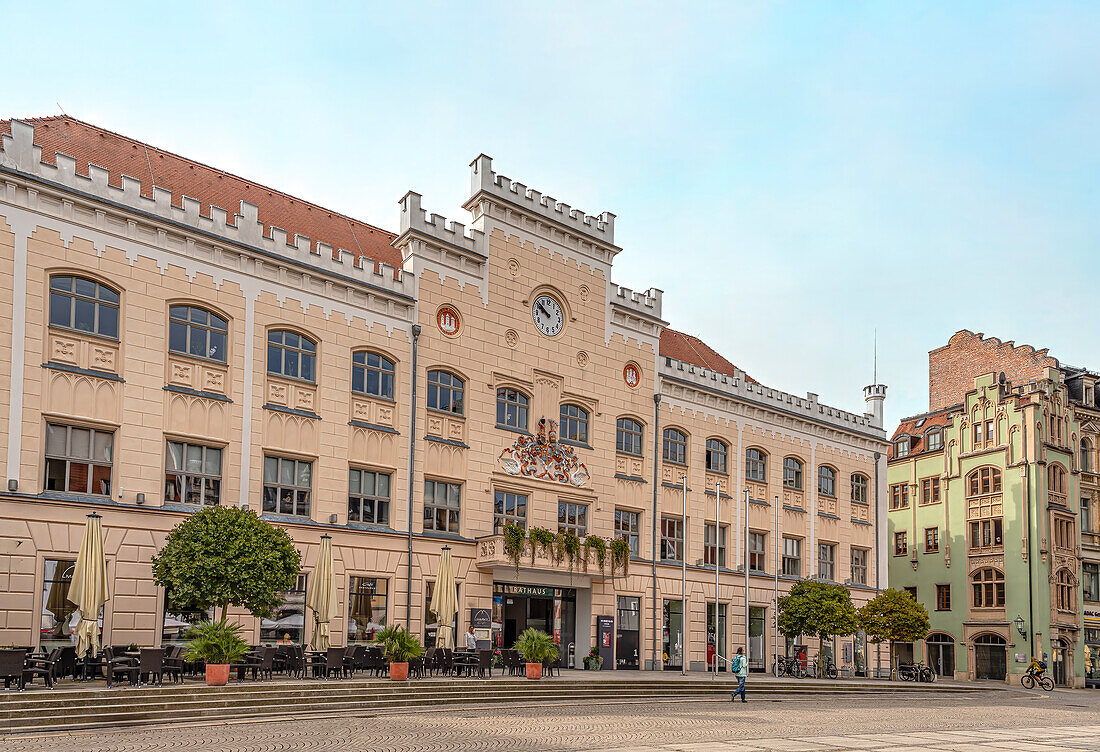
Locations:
(88, 588)
(443, 601)
(321, 596)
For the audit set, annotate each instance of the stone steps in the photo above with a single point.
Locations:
(73, 709)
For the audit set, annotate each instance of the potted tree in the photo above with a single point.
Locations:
(399, 646)
(536, 647)
(217, 644)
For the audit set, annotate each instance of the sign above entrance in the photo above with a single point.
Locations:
(528, 590)
(543, 456)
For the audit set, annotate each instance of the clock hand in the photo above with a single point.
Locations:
(543, 309)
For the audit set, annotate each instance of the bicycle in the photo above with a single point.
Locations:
(1031, 678)
(789, 667)
(824, 667)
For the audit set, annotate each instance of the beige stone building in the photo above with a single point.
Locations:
(388, 390)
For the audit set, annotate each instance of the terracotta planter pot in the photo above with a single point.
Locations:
(399, 671)
(534, 670)
(217, 675)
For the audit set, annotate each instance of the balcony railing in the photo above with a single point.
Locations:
(491, 555)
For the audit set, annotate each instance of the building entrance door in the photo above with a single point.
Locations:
(673, 634)
(547, 609)
(1060, 664)
(757, 652)
(627, 632)
(990, 657)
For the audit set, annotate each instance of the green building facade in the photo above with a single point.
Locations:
(983, 500)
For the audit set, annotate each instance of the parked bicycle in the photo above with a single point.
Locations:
(823, 666)
(916, 672)
(784, 666)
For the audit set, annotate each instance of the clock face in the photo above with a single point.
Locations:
(548, 315)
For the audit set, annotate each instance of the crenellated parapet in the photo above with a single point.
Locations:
(738, 388)
(19, 154)
(647, 303)
(428, 242)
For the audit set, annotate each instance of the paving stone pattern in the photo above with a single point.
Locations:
(1067, 721)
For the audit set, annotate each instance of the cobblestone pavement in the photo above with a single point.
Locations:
(1064, 721)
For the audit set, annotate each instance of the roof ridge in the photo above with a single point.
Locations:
(130, 139)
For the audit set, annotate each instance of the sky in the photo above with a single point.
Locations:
(796, 176)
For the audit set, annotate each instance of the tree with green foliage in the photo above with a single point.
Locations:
(817, 609)
(224, 556)
(894, 616)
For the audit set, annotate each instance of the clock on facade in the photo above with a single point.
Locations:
(548, 315)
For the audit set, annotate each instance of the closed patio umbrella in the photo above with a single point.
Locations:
(443, 601)
(321, 596)
(88, 589)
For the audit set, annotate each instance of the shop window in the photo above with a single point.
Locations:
(83, 305)
(509, 509)
(286, 625)
(59, 616)
(192, 474)
(288, 485)
(445, 392)
(368, 496)
(178, 620)
(442, 504)
(197, 333)
(367, 598)
(78, 460)
(291, 355)
(372, 375)
(431, 619)
(628, 437)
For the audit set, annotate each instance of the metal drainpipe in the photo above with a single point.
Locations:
(653, 550)
(1030, 559)
(412, 461)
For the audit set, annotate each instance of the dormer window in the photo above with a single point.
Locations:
(933, 440)
(901, 447)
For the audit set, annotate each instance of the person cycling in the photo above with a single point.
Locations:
(1036, 667)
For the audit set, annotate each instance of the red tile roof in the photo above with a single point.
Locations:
(693, 350)
(909, 427)
(182, 176)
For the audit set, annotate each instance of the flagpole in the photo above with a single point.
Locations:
(775, 607)
(717, 563)
(746, 574)
(683, 581)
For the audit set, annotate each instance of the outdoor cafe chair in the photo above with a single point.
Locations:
(551, 665)
(354, 659)
(66, 665)
(173, 662)
(11, 666)
(429, 661)
(113, 665)
(328, 663)
(416, 667)
(150, 665)
(485, 663)
(374, 660)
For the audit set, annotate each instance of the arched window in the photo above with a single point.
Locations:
(756, 465)
(445, 392)
(371, 375)
(628, 436)
(512, 408)
(574, 423)
(675, 446)
(84, 305)
(1056, 479)
(988, 585)
(291, 355)
(984, 480)
(826, 481)
(717, 454)
(792, 473)
(860, 486)
(1086, 456)
(1067, 591)
(197, 333)
(933, 439)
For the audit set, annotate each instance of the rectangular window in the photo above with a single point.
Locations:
(901, 546)
(934, 440)
(509, 509)
(708, 545)
(757, 548)
(931, 540)
(859, 489)
(985, 533)
(287, 486)
(628, 528)
(369, 497)
(826, 561)
(930, 491)
(859, 566)
(1086, 514)
(943, 597)
(978, 433)
(899, 496)
(192, 474)
(287, 623)
(573, 518)
(366, 608)
(78, 460)
(1063, 533)
(911, 591)
(672, 539)
(442, 503)
(901, 447)
(1090, 582)
(792, 557)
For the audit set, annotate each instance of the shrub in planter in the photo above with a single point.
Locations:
(217, 644)
(544, 540)
(536, 647)
(399, 645)
(593, 661)
(620, 555)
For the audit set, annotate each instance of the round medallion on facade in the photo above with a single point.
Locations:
(632, 375)
(582, 358)
(448, 320)
(511, 337)
(548, 315)
(513, 267)
(584, 293)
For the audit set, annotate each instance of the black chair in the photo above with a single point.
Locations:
(174, 663)
(46, 666)
(551, 665)
(67, 665)
(375, 660)
(150, 665)
(113, 665)
(429, 661)
(485, 663)
(416, 667)
(354, 659)
(11, 666)
(261, 661)
(332, 662)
